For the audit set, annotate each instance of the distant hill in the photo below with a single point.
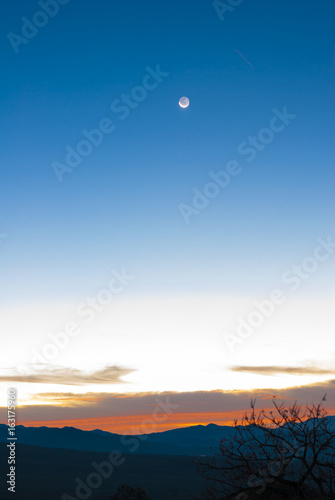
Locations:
(195, 440)
(190, 441)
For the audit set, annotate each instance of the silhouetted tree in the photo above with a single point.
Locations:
(128, 493)
(288, 453)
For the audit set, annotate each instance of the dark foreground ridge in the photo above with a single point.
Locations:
(50, 473)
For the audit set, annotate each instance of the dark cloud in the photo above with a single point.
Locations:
(69, 376)
(226, 404)
(277, 370)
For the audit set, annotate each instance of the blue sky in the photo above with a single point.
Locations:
(120, 206)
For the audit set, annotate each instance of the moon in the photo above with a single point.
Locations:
(184, 102)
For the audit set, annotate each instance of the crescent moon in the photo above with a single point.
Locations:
(184, 102)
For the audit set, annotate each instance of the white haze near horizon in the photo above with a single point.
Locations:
(173, 344)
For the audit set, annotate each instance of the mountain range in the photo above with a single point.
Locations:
(187, 441)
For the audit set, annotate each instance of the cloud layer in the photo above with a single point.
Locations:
(121, 412)
(70, 376)
(279, 370)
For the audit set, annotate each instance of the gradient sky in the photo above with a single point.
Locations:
(119, 208)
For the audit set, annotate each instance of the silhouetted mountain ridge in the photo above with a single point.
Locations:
(183, 441)
(193, 440)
